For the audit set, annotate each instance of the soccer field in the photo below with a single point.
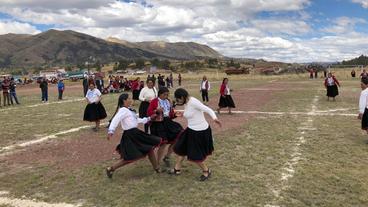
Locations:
(285, 145)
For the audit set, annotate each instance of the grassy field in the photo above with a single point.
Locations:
(270, 160)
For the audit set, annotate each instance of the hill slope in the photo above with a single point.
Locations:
(55, 47)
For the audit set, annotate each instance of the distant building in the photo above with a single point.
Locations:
(53, 73)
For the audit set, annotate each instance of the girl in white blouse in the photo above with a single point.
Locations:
(94, 110)
(135, 144)
(196, 142)
(363, 104)
(145, 96)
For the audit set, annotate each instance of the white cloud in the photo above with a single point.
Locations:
(229, 26)
(17, 28)
(284, 26)
(344, 25)
(55, 5)
(364, 3)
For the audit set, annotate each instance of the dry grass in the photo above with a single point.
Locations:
(247, 163)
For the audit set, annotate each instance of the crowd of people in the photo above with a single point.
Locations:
(8, 88)
(162, 135)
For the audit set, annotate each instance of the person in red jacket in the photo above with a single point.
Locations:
(331, 84)
(226, 101)
(163, 125)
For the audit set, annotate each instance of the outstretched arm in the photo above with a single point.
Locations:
(115, 122)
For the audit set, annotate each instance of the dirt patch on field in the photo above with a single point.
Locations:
(91, 147)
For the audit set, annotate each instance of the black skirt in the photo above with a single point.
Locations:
(332, 91)
(143, 109)
(94, 112)
(365, 120)
(135, 144)
(226, 101)
(167, 129)
(196, 145)
(136, 94)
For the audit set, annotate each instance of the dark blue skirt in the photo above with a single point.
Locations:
(167, 129)
(94, 112)
(196, 145)
(136, 144)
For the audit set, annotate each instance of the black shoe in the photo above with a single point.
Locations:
(174, 172)
(158, 170)
(203, 177)
(109, 172)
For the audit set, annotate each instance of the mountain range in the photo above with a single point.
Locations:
(60, 48)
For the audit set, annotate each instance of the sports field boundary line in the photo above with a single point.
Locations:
(8, 150)
(288, 169)
(42, 104)
(16, 202)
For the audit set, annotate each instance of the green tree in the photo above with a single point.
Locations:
(122, 65)
(165, 64)
(156, 62)
(139, 63)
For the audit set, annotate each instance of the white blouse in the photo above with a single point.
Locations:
(128, 120)
(147, 94)
(227, 90)
(203, 85)
(93, 95)
(193, 112)
(330, 81)
(363, 101)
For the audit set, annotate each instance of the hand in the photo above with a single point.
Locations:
(109, 136)
(218, 122)
(360, 116)
(179, 114)
(153, 116)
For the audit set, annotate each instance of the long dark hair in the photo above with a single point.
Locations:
(123, 97)
(181, 93)
(223, 81)
(163, 90)
(364, 80)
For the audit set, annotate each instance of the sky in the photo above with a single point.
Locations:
(274, 30)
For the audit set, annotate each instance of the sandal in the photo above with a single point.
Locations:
(158, 170)
(174, 172)
(109, 172)
(203, 177)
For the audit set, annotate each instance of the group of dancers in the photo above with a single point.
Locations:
(156, 112)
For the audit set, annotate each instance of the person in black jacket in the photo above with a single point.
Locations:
(85, 85)
(44, 90)
(13, 94)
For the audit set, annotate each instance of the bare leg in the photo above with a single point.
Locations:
(161, 153)
(98, 124)
(203, 167)
(152, 158)
(230, 111)
(118, 165)
(179, 162)
(170, 150)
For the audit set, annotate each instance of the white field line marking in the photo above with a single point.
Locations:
(16, 202)
(312, 113)
(43, 104)
(288, 170)
(4, 151)
(335, 110)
